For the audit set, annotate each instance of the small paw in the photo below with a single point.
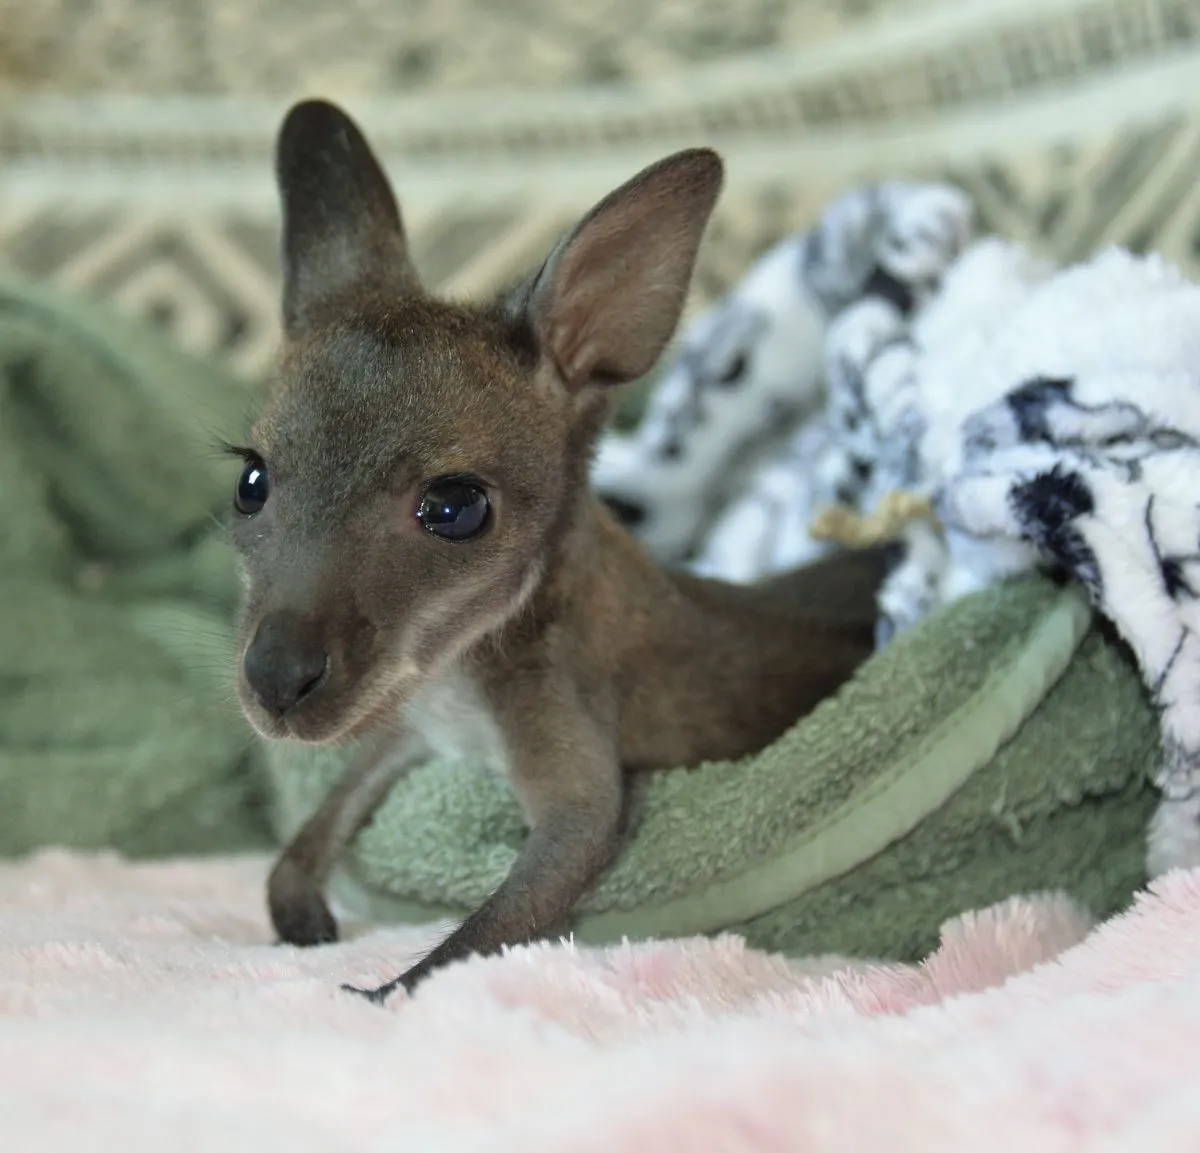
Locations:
(298, 909)
(305, 925)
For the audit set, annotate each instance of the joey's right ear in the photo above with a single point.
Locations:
(341, 224)
(607, 302)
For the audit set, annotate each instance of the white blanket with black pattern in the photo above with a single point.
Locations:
(1052, 416)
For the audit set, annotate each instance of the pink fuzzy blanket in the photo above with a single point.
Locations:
(143, 1007)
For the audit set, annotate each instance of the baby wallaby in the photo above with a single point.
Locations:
(426, 567)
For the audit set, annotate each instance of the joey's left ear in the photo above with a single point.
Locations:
(607, 301)
(341, 223)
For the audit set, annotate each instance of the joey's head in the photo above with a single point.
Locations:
(419, 463)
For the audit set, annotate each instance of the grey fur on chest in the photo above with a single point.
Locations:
(457, 722)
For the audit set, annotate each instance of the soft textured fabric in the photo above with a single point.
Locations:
(144, 1008)
(1082, 448)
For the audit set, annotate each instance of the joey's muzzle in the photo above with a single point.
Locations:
(286, 662)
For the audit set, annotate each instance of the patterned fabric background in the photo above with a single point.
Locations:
(210, 276)
(372, 47)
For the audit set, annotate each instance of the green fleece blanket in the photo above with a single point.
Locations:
(117, 728)
(1000, 747)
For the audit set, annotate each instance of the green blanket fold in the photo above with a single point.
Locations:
(117, 728)
(1001, 747)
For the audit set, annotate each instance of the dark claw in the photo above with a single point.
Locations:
(407, 981)
(375, 996)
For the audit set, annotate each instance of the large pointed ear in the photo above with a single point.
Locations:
(341, 224)
(608, 300)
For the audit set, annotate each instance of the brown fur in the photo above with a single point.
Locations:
(550, 642)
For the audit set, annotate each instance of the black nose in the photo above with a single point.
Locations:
(285, 662)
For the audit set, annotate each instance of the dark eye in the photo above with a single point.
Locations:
(253, 487)
(454, 508)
